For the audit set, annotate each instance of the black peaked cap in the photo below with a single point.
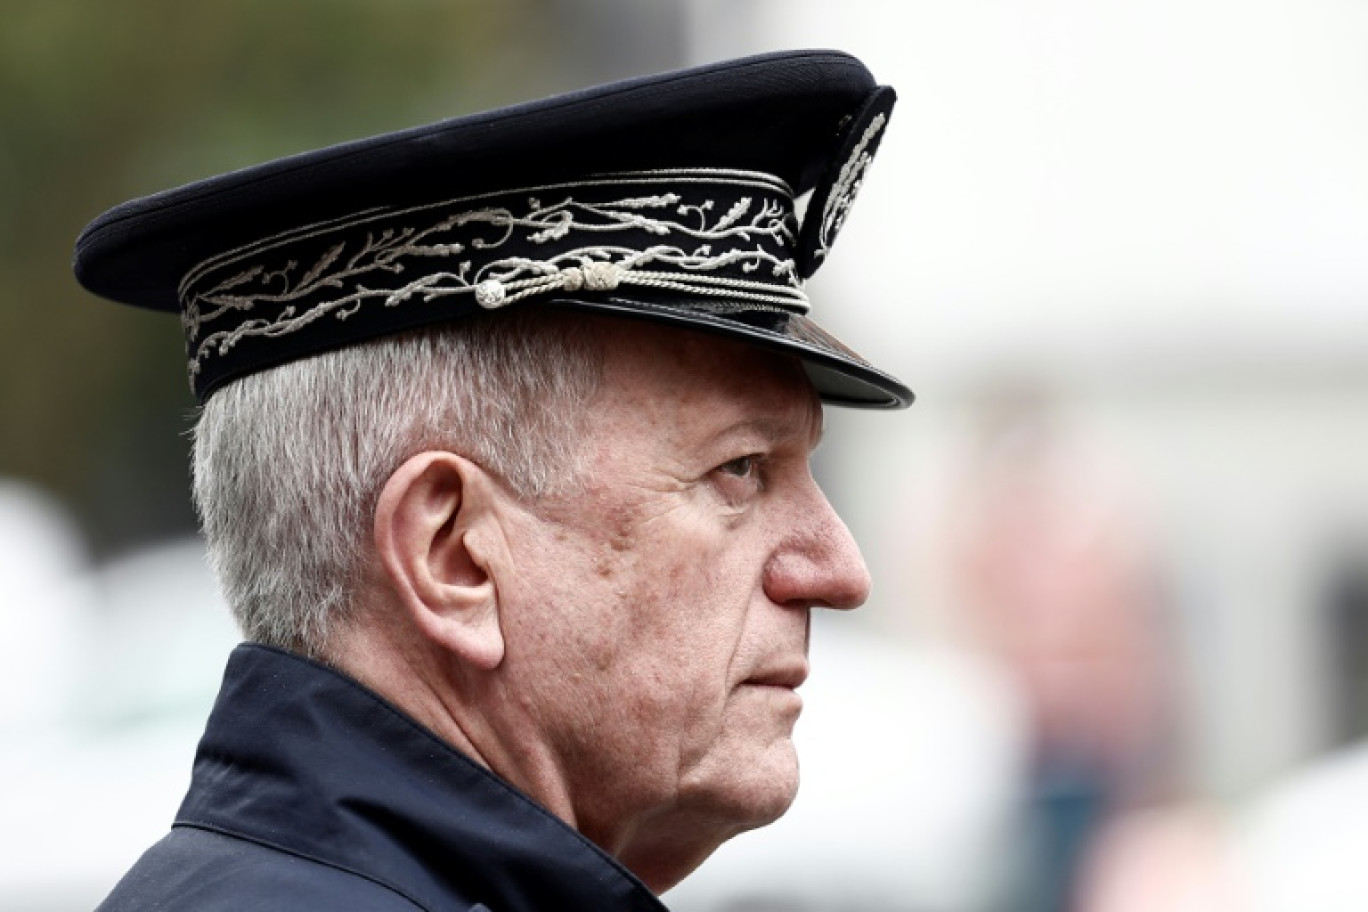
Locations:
(668, 198)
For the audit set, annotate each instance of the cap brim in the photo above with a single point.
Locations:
(838, 374)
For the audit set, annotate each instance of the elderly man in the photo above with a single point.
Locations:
(503, 466)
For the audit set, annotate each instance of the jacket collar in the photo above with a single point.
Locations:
(301, 758)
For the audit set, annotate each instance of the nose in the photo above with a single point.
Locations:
(818, 564)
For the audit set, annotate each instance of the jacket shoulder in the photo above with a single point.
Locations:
(194, 870)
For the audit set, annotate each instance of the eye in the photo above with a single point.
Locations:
(739, 480)
(741, 467)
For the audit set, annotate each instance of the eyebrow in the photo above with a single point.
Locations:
(775, 430)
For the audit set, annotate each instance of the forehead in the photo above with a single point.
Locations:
(662, 378)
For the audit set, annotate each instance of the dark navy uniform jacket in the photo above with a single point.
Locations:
(312, 793)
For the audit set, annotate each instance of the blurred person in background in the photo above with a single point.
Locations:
(1053, 566)
(503, 466)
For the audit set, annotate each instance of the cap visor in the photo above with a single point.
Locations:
(840, 376)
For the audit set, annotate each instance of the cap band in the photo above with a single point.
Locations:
(696, 232)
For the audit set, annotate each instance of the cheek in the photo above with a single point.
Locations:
(641, 624)
(688, 617)
(656, 633)
(683, 597)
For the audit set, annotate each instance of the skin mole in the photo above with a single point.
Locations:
(622, 523)
(603, 566)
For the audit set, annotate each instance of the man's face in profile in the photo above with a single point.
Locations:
(664, 606)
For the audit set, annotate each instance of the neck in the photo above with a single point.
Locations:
(475, 713)
(468, 709)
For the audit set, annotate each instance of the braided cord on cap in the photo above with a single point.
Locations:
(492, 294)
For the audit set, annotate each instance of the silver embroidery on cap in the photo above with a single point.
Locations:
(729, 240)
(847, 185)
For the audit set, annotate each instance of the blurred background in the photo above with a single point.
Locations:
(1117, 653)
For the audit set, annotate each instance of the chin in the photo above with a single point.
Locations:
(732, 793)
(778, 799)
(761, 787)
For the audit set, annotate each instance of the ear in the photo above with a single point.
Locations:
(434, 528)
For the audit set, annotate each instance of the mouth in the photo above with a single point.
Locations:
(788, 675)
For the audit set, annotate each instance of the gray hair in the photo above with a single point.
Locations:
(289, 462)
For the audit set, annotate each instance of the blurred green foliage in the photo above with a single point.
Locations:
(103, 101)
